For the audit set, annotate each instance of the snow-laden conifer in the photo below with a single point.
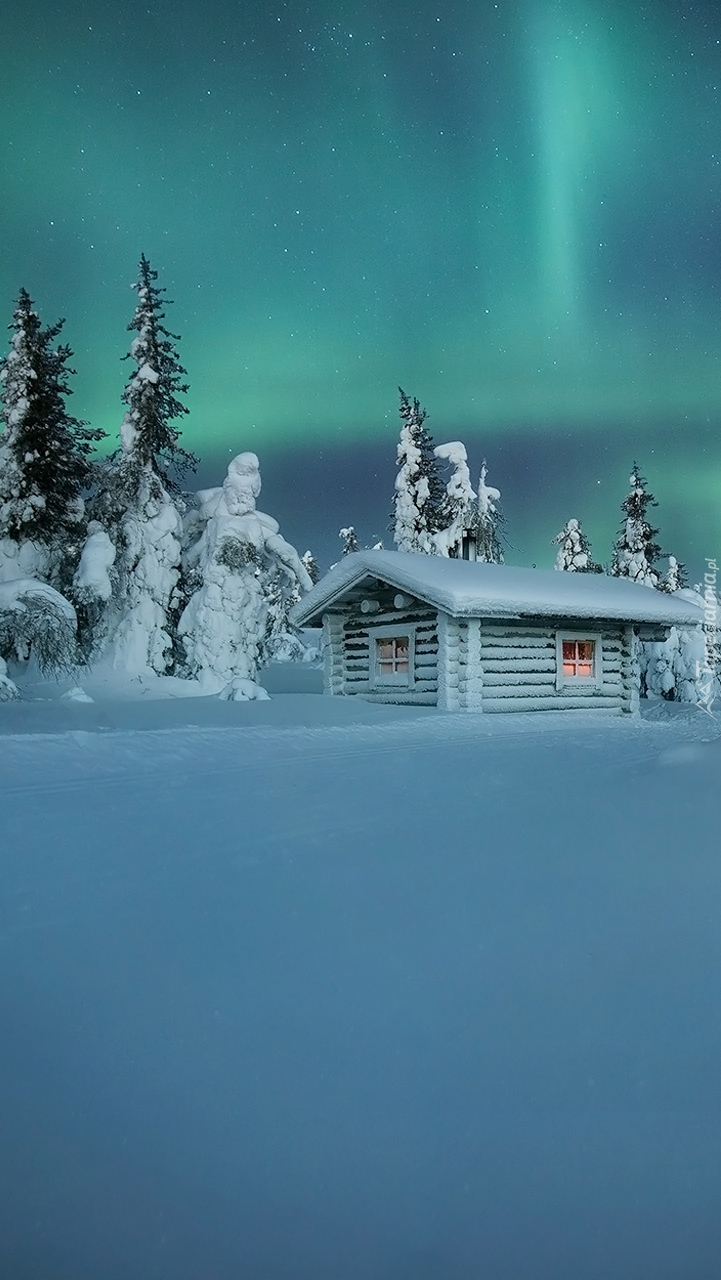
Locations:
(677, 668)
(245, 574)
(635, 551)
(149, 434)
(459, 509)
(140, 502)
(349, 538)
(44, 453)
(675, 578)
(419, 491)
(574, 550)
(37, 621)
(489, 519)
(310, 564)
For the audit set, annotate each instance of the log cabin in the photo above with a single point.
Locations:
(465, 636)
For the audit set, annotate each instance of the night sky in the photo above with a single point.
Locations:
(511, 210)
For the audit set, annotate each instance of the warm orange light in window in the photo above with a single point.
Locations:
(578, 658)
(393, 656)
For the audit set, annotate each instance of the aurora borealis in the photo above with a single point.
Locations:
(510, 209)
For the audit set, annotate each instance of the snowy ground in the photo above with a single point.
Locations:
(310, 990)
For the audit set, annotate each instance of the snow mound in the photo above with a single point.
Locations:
(240, 690)
(76, 694)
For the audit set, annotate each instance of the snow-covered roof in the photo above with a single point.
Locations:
(467, 589)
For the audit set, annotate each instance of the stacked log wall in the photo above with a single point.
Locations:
(449, 663)
(356, 641)
(332, 645)
(519, 665)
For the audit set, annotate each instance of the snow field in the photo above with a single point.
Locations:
(419, 996)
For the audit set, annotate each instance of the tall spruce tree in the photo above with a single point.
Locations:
(419, 498)
(636, 551)
(149, 437)
(141, 500)
(44, 452)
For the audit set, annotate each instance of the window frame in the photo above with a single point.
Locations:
(392, 631)
(593, 681)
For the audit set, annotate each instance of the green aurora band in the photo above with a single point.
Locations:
(511, 209)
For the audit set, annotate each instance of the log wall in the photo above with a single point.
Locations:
(519, 666)
(352, 636)
(471, 664)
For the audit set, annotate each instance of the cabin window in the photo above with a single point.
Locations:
(393, 658)
(578, 660)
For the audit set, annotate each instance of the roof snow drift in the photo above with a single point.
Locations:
(467, 589)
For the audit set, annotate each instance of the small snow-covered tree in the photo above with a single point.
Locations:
(245, 570)
(684, 666)
(488, 520)
(281, 641)
(636, 550)
(44, 452)
(459, 510)
(310, 564)
(349, 539)
(419, 490)
(140, 501)
(675, 578)
(574, 550)
(36, 621)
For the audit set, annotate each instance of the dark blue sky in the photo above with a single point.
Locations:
(511, 209)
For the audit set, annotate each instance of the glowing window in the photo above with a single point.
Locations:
(392, 657)
(578, 659)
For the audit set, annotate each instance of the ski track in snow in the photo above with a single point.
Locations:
(111, 756)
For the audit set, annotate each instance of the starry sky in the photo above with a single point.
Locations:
(510, 209)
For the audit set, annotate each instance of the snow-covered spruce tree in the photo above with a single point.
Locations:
(419, 490)
(636, 550)
(574, 550)
(349, 538)
(459, 511)
(36, 622)
(44, 454)
(678, 668)
(674, 668)
(234, 620)
(140, 503)
(310, 564)
(488, 521)
(675, 577)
